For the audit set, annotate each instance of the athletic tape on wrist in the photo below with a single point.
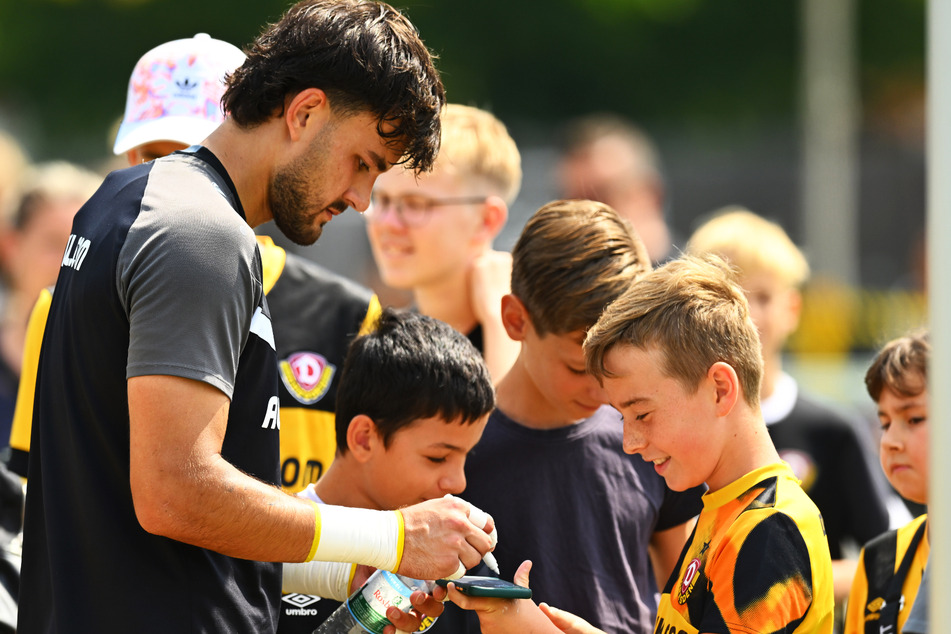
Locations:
(362, 536)
(327, 579)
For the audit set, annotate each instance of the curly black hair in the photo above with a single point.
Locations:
(364, 54)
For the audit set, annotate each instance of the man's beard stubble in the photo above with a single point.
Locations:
(290, 195)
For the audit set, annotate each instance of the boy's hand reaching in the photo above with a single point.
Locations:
(424, 605)
(489, 281)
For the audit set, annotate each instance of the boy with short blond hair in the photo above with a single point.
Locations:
(550, 468)
(679, 356)
(432, 233)
(889, 577)
(825, 449)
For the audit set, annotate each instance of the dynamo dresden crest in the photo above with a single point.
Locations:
(689, 580)
(307, 376)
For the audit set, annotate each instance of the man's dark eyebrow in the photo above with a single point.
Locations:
(379, 162)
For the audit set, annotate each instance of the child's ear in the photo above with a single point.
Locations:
(362, 437)
(495, 214)
(726, 385)
(515, 317)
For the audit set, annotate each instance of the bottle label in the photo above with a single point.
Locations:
(368, 607)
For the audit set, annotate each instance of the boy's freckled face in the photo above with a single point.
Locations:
(425, 460)
(438, 250)
(663, 423)
(904, 443)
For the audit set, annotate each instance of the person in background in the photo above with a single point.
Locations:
(432, 233)
(315, 312)
(888, 581)
(607, 158)
(823, 447)
(13, 163)
(153, 503)
(31, 252)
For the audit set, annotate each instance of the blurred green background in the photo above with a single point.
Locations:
(717, 83)
(707, 68)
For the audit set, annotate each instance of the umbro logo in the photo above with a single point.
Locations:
(300, 600)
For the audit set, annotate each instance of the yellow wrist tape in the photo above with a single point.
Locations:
(316, 541)
(400, 539)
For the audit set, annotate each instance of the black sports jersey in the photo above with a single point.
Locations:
(162, 275)
(316, 314)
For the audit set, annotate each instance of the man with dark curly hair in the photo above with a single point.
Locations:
(153, 502)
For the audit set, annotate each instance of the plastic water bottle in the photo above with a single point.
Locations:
(365, 610)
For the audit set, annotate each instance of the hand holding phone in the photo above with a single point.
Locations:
(475, 586)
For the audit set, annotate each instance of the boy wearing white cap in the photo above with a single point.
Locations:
(174, 97)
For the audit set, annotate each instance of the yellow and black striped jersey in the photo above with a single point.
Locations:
(757, 561)
(887, 579)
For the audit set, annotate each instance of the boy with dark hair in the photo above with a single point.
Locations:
(889, 578)
(154, 456)
(413, 399)
(549, 468)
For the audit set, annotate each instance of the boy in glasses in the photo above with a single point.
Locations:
(432, 233)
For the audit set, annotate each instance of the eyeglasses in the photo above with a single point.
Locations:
(412, 210)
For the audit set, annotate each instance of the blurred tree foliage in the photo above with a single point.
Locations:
(691, 64)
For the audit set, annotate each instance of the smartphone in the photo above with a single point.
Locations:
(488, 587)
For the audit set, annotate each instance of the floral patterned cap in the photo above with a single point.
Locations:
(175, 92)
